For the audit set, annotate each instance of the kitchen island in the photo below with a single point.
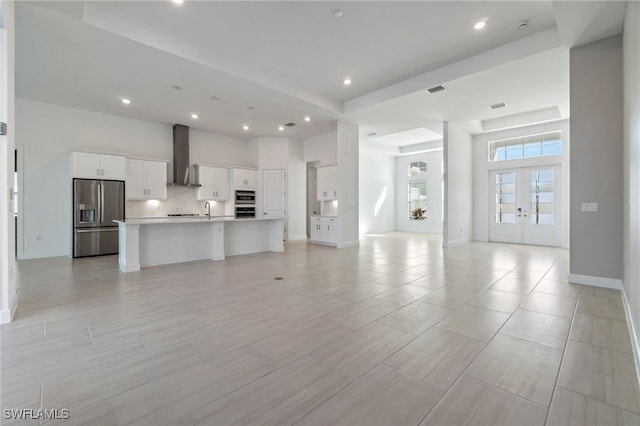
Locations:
(160, 241)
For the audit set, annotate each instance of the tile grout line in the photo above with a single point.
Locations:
(142, 343)
(564, 355)
(90, 335)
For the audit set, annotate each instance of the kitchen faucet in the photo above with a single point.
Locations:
(208, 207)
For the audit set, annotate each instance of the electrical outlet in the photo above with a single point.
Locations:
(589, 207)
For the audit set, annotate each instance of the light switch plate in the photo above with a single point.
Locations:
(590, 207)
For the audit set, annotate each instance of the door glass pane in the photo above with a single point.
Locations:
(418, 200)
(542, 197)
(505, 198)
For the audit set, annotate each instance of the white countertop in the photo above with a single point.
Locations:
(192, 219)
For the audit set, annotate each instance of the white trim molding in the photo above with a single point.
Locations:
(456, 243)
(633, 333)
(6, 315)
(596, 281)
(297, 237)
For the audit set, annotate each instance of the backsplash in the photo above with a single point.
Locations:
(329, 208)
(180, 199)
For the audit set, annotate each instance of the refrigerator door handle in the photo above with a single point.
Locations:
(101, 202)
(88, 231)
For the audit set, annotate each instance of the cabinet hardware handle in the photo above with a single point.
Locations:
(97, 172)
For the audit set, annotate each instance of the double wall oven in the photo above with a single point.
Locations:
(245, 204)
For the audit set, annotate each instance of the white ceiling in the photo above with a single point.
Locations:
(288, 59)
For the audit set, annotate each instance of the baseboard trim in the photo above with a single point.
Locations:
(129, 268)
(348, 244)
(6, 315)
(456, 243)
(635, 342)
(596, 281)
(297, 237)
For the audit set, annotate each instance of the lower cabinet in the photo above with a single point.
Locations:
(324, 230)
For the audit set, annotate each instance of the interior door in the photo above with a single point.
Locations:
(525, 205)
(273, 194)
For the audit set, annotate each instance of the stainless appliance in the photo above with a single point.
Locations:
(96, 204)
(181, 156)
(245, 206)
(245, 212)
(246, 197)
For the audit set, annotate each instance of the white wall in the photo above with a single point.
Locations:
(348, 194)
(597, 160)
(297, 192)
(458, 185)
(433, 223)
(8, 287)
(211, 148)
(482, 166)
(46, 133)
(377, 190)
(287, 154)
(631, 54)
(322, 148)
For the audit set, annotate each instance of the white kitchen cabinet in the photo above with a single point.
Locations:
(245, 178)
(89, 165)
(324, 230)
(327, 183)
(146, 180)
(214, 181)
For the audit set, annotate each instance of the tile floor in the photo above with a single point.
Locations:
(395, 332)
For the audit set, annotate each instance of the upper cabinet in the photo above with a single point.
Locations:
(327, 183)
(146, 180)
(245, 178)
(214, 183)
(88, 165)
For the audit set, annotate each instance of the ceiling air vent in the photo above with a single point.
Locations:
(498, 105)
(290, 124)
(435, 89)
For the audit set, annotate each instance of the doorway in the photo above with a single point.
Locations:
(525, 205)
(313, 205)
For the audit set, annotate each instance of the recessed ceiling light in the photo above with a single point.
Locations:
(347, 81)
(251, 107)
(523, 24)
(194, 116)
(480, 24)
(498, 105)
(215, 98)
(371, 134)
(178, 1)
(336, 12)
(125, 101)
(176, 87)
(245, 127)
(281, 128)
(307, 118)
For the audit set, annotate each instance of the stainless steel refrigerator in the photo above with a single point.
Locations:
(96, 204)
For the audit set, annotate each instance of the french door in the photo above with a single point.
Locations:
(525, 205)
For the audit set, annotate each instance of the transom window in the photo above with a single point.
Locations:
(418, 168)
(526, 147)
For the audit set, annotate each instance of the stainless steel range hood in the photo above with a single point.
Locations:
(181, 156)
